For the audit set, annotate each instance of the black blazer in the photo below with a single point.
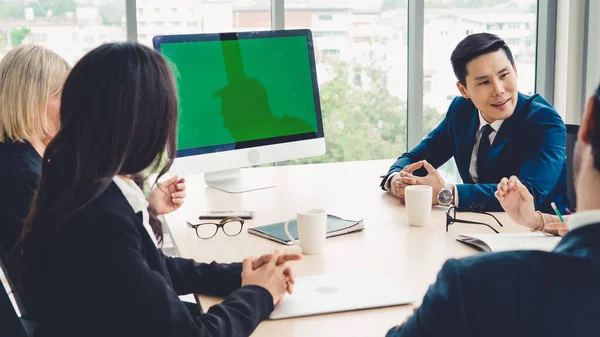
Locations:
(518, 293)
(105, 277)
(19, 174)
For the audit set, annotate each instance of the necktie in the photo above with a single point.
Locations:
(482, 153)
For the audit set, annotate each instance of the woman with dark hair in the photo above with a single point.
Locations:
(88, 263)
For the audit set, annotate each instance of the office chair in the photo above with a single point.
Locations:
(572, 131)
(10, 322)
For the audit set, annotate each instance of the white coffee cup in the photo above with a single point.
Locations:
(418, 204)
(312, 230)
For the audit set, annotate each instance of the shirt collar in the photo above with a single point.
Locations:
(495, 125)
(584, 218)
(134, 195)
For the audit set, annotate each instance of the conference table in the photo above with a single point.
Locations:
(410, 256)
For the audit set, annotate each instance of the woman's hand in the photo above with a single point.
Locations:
(168, 195)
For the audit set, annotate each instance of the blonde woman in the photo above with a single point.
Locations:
(31, 81)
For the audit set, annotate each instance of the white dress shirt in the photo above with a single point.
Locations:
(584, 218)
(495, 127)
(137, 200)
(473, 164)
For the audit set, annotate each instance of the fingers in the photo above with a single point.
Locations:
(429, 167)
(261, 260)
(413, 167)
(502, 187)
(288, 257)
(169, 181)
(291, 280)
(247, 265)
(178, 195)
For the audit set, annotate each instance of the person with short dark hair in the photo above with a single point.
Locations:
(491, 131)
(527, 293)
(88, 262)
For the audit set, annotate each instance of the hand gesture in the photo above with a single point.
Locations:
(433, 179)
(517, 202)
(270, 276)
(283, 258)
(168, 195)
(403, 179)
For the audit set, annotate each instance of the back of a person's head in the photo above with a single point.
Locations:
(118, 117)
(472, 47)
(29, 75)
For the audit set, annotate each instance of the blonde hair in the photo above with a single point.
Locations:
(29, 75)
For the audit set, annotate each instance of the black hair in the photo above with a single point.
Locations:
(118, 117)
(472, 47)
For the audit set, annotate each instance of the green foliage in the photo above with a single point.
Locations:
(17, 35)
(363, 123)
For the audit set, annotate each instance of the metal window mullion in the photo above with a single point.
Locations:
(414, 124)
(277, 14)
(131, 20)
(546, 49)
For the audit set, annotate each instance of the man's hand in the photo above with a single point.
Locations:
(403, 179)
(281, 259)
(168, 195)
(433, 179)
(517, 202)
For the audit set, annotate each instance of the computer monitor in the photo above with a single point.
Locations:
(245, 98)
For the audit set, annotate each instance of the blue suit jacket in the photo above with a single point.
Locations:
(519, 293)
(530, 144)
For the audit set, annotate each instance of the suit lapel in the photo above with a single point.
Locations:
(466, 142)
(507, 130)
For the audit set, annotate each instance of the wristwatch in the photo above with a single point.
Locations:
(446, 195)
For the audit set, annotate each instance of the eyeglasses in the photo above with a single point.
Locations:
(450, 219)
(231, 226)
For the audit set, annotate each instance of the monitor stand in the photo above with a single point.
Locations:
(233, 181)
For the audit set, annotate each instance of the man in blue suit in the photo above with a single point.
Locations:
(526, 293)
(492, 131)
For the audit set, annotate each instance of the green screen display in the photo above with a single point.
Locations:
(242, 90)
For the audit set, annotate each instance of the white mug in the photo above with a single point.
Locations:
(312, 230)
(418, 204)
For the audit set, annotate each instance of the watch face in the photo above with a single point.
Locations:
(445, 197)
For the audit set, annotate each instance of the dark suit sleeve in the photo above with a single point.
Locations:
(131, 288)
(214, 279)
(441, 313)
(540, 170)
(436, 149)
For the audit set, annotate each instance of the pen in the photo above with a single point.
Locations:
(557, 212)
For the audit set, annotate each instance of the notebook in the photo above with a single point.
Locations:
(335, 226)
(321, 294)
(512, 241)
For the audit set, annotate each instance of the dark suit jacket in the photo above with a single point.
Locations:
(105, 277)
(519, 293)
(19, 174)
(530, 144)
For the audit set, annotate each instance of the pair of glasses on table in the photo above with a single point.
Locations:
(451, 218)
(231, 226)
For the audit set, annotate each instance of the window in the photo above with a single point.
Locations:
(331, 51)
(193, 16)
(361, 65)
(472, 17)
(62, 26)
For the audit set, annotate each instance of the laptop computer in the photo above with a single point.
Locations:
(321, 294)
